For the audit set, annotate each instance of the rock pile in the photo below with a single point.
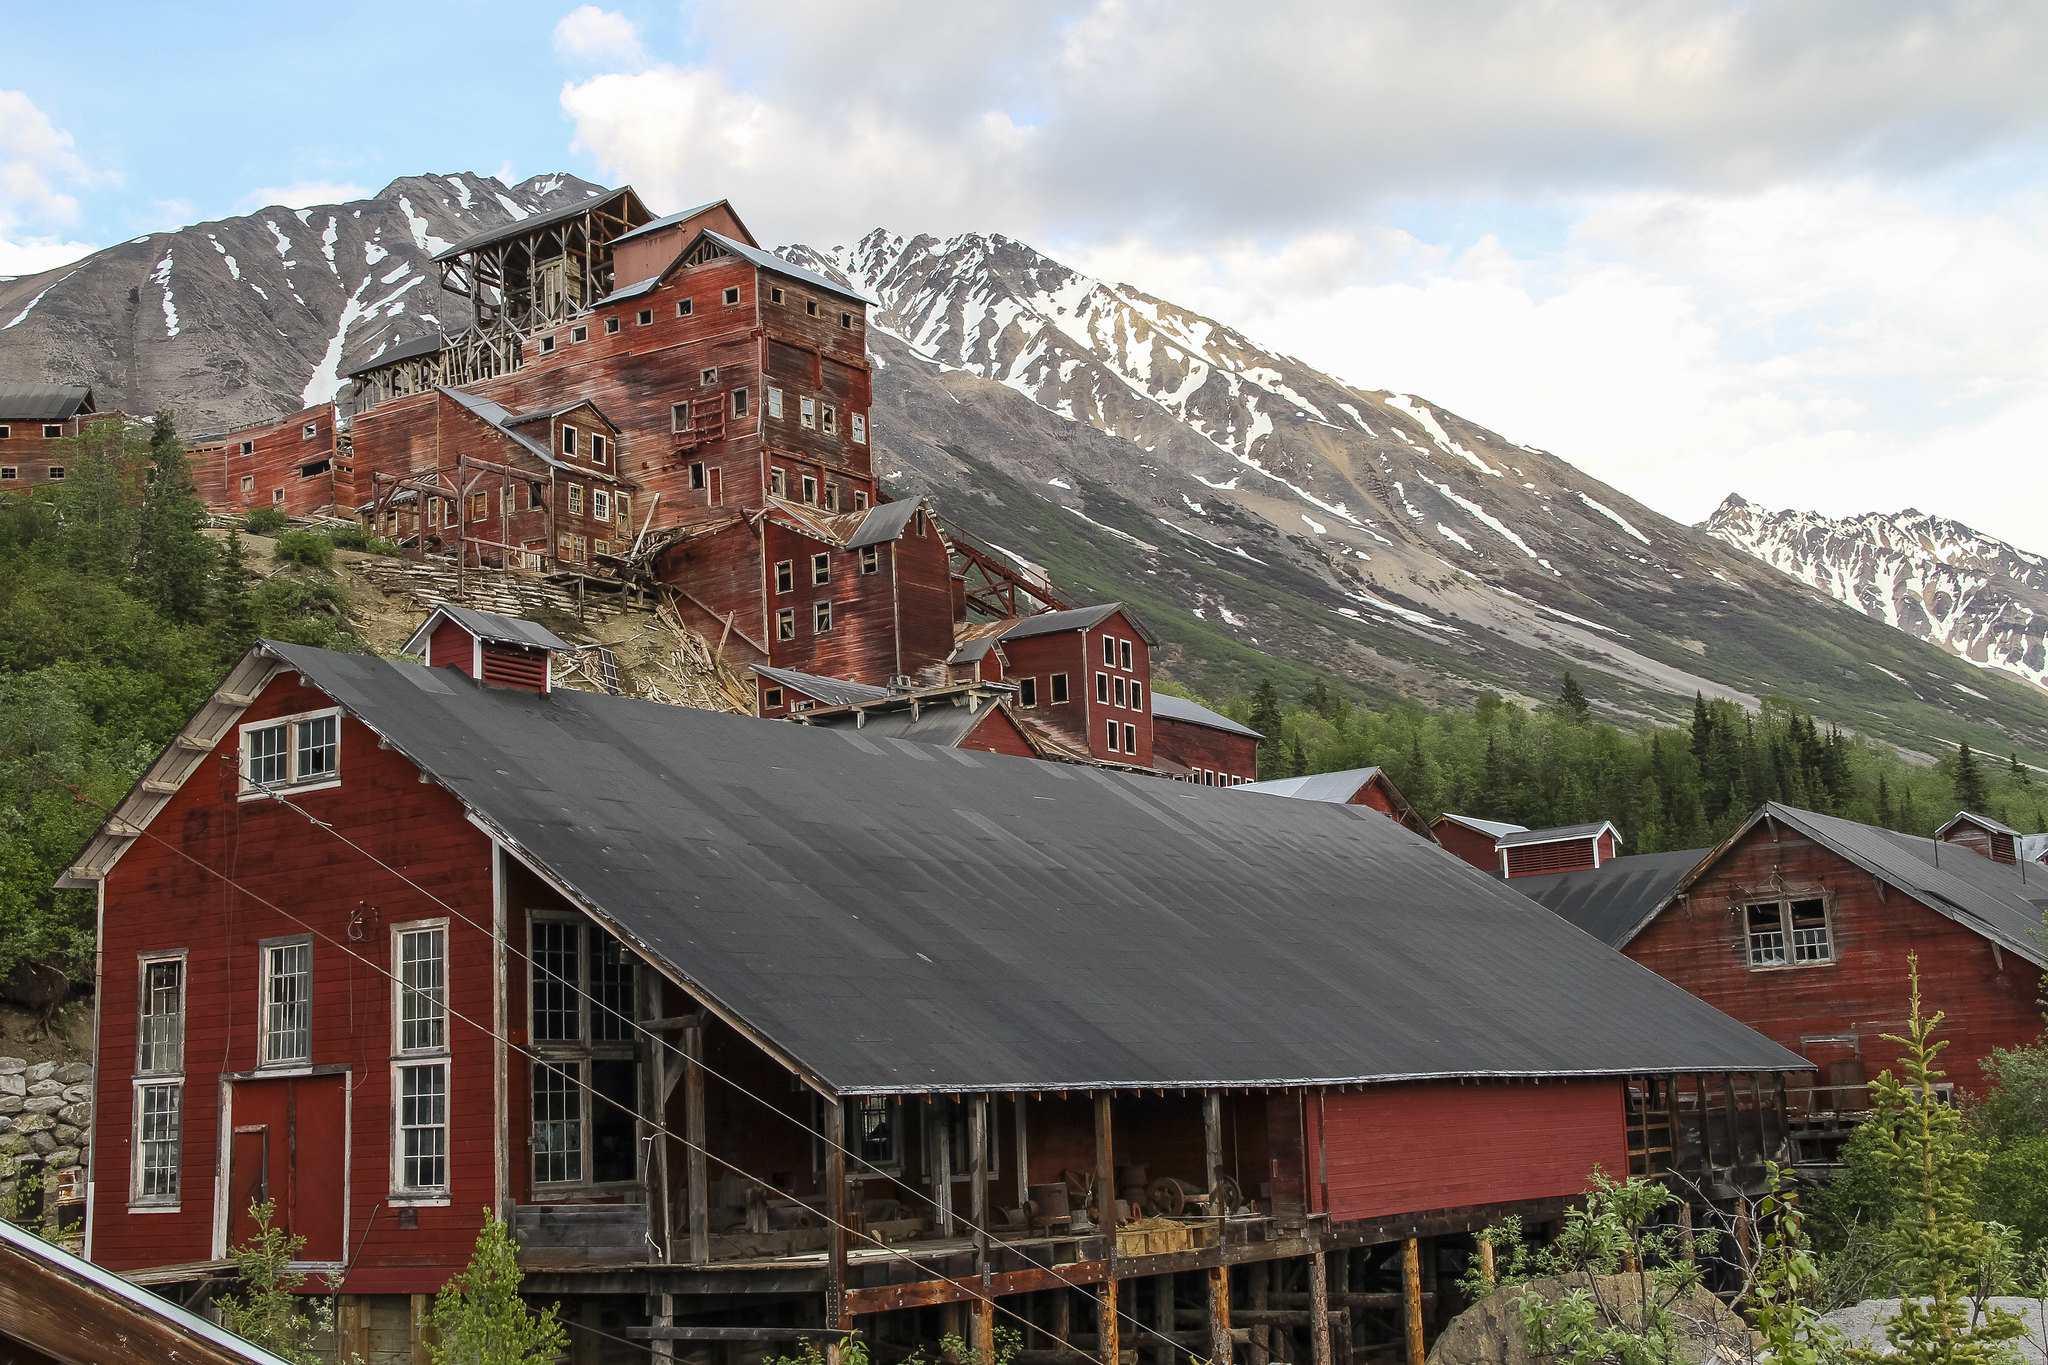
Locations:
(45, 1126)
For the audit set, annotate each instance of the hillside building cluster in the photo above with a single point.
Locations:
(929, 1009)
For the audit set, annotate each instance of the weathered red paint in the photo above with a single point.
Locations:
(1475, 848)
(1216, 758)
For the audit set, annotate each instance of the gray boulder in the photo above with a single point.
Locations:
(11, 1104)
(63, 1158)
(10, 1066)
(42, 1143)
(42, 1071)
(42, 1104)
(77, 1115)
(13, 1083)
(72, 1073)
(40, 1088)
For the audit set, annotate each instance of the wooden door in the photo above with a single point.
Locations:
(291, 1147)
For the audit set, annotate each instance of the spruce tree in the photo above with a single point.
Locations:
(234, 614)
(1572, 703)
(1266, 719)
(2018, 770)
(1702, 728)
(172, 559)
(479, 1316)
(1969, 778)
(1884, 802)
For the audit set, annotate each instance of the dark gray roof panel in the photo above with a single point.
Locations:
(944, 725)
(1492, 829)
(492, 236)
(768, 260)
(830, 691)
(41, 402)
(884, 523)
(493, 628)
(1985, 822)
(669, 221)
(1338, 787)
(1053, 622)
(882, 911)
(429, 344)
(1610, 901)
(1170, 707)
(1556, 836)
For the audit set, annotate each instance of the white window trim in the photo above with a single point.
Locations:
(406, 1196)
(1784, 900)
(860, 428)
(580, 1052)
(775, 403)
(398, 1048)
(155, 1203)
(301, 1066)
(807, 412)
(143, 962)
(251, 791)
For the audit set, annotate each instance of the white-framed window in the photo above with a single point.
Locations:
(775, 403)
(778, 482)
(1059, 689)
(9, 473)
(1115, 744)
(421, 1115)
(276, 494)
(569, 441)
(585, 1129)
(547, 344)
(1121, 698)
(611, 326)
(159, 1114)
(309, 431)
(807, 411)
(1123, 648)
(810, 487)
(420, 951)
(160, 1030)
(785, 575)
(821, 618)
(1027, 691)
(828, 419)
(5, 431)
(579, 333)
(821, 569)
(601, 504)
(1789, 933)
(739, 402)
(679, 416)
(870, 559)
(1102, 688)
(597, 447)
(860, 500)
(646, 318)
(248, 485)
(287, 1001)
(685, 307)
(707, 376)
(785, 624)
(302, 752)
(420, 1063)
(860, 429)
(732, 296)
(576, 499)
(1137, 695)
(246, 448)
(1108, 651)
(52, 430)
(1130, 739)
(622, 508)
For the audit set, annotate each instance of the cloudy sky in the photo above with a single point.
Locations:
(1796, 249)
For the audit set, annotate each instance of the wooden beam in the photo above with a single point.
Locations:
(693, 1133)
(1319, 1308)
(1105, 1200)
(736, 1333)
(1411, 1287)
(1219, 1315)
(835, 1216)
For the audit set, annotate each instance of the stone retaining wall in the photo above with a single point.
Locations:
(45, 1126)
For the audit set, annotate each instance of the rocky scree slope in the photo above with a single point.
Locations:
(1937, 579)
(1265, 511)
(244, 319)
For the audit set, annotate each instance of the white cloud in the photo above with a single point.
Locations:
(39, 166)
(36, 254)
(300, 194)
(591, 36)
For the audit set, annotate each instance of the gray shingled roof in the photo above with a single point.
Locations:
(1557, 836)
(1165, 704)
(1611, 901)
(1076, 618)
(2000, 901)
(942, 722)
(884, 523)
(882, 912)
(768, 260)
(41, 402)
(1337, 787)
(1492, 829)
(1984, 822)
(829, 691)
(669, 220)
(491, 627)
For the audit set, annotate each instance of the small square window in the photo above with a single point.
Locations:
(860, 430)
(778, 482)
(248, 448)
(696, 476)
(785, 624)
(547, 344)
(5, 431)
(52, 430)
(821, 569)
(646, 317)
(771, 699)
(580, 332)
(785, 575)
(739, 402)
(821, 617)
(276, 494)
(870, 559)
(811, 307)
(1027, 691)
(860, 500)
(732, 296)
(611, 325)
(248, 485)
(846, 320)
(775, 403)
(775, 294)
(1059, 689)
(8, 473)
(309, 431)
(707, 377)
(685, 307)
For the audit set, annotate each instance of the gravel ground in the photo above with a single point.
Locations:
(1864, 1324)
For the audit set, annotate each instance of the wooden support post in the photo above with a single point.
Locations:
(420, 1333)
(1062, 1318)
(1318, 1308)
(1763, 1140)
(661, 1314)
(1486, 1269)
(1219, 1315)
(1685, 1230)
(835, 1215)
(351, 1327)
(977, 1175)
(1699, 1081)
(1023, 1159)
(1105, 1197)
(942, 1168)
(1212, 1138)
(1411, 1287)
(1162, 1318)
(693, 1134)
(1260, 1351)
(985, 1328)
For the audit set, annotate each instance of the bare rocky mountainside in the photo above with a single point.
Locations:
(1967, 592)
(1262, 516)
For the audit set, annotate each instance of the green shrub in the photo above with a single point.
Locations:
(264, 521)
(349, 537)
(309, 548)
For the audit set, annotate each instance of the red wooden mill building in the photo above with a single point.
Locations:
(759, 1030)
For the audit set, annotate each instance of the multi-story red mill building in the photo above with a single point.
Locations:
(660, 401)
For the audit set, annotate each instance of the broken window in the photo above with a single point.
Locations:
(160, 1036)
(707, 376)
(827, 419)
(739, 402)
(1027, 691)
(679, 416)
(846, 320)
(547, 344)
(1059, 688)
(1137, 695)
(52, 430)
(810, 488)
(771, 699)
(1119, 688)
(1766, 935)
(621, 504)
(1115, 743)
(732, 296)
(811, 307)
(309, 431)
(684, 307)
(778, 482)
(157, 1123)
(775, 294)
(597, 447)
(579, 333)
(611, 325)
(807, 411)
(785, 575)
(1109, 651)
(821, 569)
(569, 441)
(1130, 739)
(697, 475)
(860, 500)
(821, 617)
(1810, 941)
(870, 559)
(785, 624)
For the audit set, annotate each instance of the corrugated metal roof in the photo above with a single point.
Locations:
(429, 344)
(1337, 787)
(487, 411)
(884, 523)
(1983, 822)
(669, 221)
(1560, 835)
(1180, 708)
(1492, 829)
(41, 402)
(1611, 901)
(818, 687)
(944, 723)
(492, 236)
(768, 260)
(1053, 622)
(624, 293)
(491, 627)
(885, 913)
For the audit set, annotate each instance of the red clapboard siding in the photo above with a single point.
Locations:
(1206, 750)
(281, 458)
(1475, 848)
(1701, 944)
(26, 455)
(997, 733)
(1569, 855)
(1410, 1148)
(157, 900)
(450, 646)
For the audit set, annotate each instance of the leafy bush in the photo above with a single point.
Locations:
(309, 548)
(479, 1317)
(354, 537)
(269, 1311)
(264, 521)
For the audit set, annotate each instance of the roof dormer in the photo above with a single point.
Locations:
(504, 651)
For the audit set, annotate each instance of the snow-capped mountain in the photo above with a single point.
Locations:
(239, 320)
(1965, 591)
(1261, 515)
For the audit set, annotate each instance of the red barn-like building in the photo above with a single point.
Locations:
(32, 416)
(1368, 787)
(1534, 852)
(731, 1019)
(1195, 744)
(1476, 841)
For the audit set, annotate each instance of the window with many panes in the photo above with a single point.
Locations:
(158, 1113)
(159, 1083)
(584, 1126)
(160, 1035)
(420, 1069)
(293, 751)
(287, 1002)
(1789, 933)
(874, 1132)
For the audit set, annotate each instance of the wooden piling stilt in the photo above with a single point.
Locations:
(1411, 1288)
